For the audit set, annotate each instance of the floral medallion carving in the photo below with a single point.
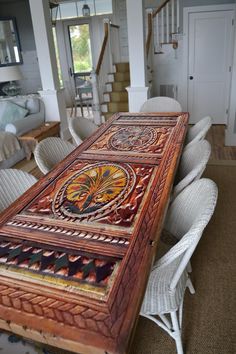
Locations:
(133, 138)
(94, 191)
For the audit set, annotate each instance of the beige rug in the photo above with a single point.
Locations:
(209, 325)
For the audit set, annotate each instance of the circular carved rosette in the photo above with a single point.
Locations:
(133, 138)
(94, 191)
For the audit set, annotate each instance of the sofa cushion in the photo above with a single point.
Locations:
(19, 101)
(10, 112)
(32, 104)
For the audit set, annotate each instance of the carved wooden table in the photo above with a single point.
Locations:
(77, 248)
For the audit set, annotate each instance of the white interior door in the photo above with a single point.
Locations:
(210, 43)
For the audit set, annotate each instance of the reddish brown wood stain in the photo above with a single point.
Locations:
(76, 249)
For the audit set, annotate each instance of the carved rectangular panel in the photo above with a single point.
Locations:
(76, 250)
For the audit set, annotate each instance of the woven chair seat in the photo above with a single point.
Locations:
(81, 128)
(13, 183)
(159, 298)
(49, 152)
(192, 165)
(198, 131)
(161, 104)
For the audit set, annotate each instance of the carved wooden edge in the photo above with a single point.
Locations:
(64, 319)
(46, 338)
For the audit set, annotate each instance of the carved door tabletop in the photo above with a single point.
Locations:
(76, 249)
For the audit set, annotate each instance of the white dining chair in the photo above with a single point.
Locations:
(161, 104)
(49, 152)
(192, 165)
(187, 218)
(198, 131)
(81, 128)
(13, 183)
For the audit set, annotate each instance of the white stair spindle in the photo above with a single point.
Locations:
(96, 104)
(167, 24)
(162, 26)
(177, 14)
(157, 32)
(172, 16)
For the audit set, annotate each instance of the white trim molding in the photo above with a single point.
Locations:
(137, 96)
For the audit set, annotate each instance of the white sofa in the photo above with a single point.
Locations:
(31, 115)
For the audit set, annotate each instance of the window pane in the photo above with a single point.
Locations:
(80, 48)
(103, 7)
(68, 10)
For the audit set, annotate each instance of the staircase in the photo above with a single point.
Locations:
(166, 25)
(116, 97)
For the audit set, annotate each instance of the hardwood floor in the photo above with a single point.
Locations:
(216, 137)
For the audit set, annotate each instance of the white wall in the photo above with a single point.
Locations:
(168, 66)
(30, 69)
(120, 15)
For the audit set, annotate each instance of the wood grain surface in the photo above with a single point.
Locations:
(76, 249)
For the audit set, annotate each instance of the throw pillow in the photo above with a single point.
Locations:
(10, 113)
(32, 105)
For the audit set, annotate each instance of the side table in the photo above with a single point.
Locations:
(30, 139)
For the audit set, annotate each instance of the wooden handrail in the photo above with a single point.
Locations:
(114, 26)
(104, 43)
(160, 8)
(149, 36)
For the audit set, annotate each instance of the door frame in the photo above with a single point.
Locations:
(186, 12)
(74, 22)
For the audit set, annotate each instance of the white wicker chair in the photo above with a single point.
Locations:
(192, 165)
(49, 152)
(13, 183)
(161, 104)
(186, 219)
(198, 131)
(81, 128)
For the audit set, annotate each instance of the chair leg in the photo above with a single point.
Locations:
(189, 267)
(71, 111)
(190, 286)
(177, 332)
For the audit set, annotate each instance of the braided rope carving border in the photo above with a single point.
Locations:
(69, 232)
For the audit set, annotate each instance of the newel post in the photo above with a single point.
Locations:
(96, 103)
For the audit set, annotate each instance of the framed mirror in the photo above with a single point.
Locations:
(10, 50)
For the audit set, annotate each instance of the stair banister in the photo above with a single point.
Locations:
(172, 16)
(104, 44)
(104, 66)
(162, 25)
(160, 8)
(167, 23)
(177, 24)
(149, 35)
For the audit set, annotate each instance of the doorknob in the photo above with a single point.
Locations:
(190, 77)
(71, 72)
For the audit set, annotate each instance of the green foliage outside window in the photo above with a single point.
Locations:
(80, 46)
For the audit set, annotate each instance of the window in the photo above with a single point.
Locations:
(72, 9)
